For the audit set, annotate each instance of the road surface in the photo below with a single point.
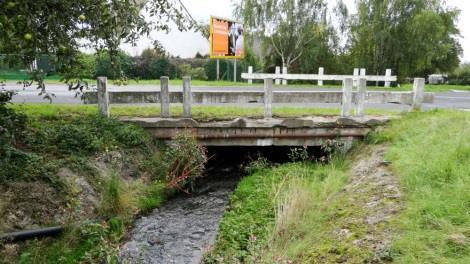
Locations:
(452, 99)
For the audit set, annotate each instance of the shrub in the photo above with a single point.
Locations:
(198, 73)
(183, 161)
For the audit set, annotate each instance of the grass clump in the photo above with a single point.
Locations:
(278, 213)
(430, 152)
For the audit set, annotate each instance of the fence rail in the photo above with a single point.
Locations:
(317, 77)
(351, 101)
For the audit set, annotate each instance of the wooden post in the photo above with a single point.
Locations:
(164, 97)
(278, 71)
(284, 71)
(418, 94)
(268, 98)
(321, 71)
(361, 96)
(347, 97)
(250, 71)
(187, 97)
(103, 96)
(388, 73)
(355, 74)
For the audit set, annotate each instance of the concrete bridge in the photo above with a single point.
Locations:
(308, 131)
(269, 131)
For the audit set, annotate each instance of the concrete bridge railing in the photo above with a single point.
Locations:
(350, 100)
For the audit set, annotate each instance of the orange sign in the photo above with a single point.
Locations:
(227, 39)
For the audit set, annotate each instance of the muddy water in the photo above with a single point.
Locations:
(181, 230)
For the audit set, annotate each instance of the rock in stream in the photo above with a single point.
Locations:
(178, 232)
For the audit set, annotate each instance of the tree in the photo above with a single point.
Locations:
(411, 37)
(60, 28)
(286, 26)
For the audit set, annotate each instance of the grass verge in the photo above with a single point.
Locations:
(430, 152)
(55, 111)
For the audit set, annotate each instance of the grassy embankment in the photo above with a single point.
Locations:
(92, 175)
(198, 112)
(290, 212)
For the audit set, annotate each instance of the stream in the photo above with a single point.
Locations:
(184, 228)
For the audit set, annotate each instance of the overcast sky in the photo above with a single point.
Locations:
(186, 44)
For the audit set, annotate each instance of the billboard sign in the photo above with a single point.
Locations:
(226, 38)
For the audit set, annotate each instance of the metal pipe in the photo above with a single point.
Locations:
(29, 234)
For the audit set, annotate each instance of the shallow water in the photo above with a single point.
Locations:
(181, 230)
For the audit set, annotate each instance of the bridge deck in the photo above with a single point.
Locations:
(307, 131)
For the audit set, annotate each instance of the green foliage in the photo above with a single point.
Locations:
(461, 76)
(198, 73)
(88, 243)
(430, 152)
(411, 37)
(180, 163)
(27, 30)
(153, 197)
(185, 69)
(112, 203)
(249, 225)
(84, 136)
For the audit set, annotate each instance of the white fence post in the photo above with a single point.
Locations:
(250, 71)
(418, 94)
(363, 72)
(103, 96)
(321, 71)
(268, 98)
(355, 74)
(164, 97)
(278, 71)
(361, 96)
(388, 73)
(187, 97)
(284, 71)
(347, 97)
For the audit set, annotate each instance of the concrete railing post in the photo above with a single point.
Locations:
(250, 71)
(355, 74)
(164, 97)
(103, 96)
(418, 94)
(268, 98)
(361, 96)
(321, 71)
(278, 71)
(346, 105)
(187, 97)
(388, 73)
(284, 71)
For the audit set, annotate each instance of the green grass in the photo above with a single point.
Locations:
(55, 111)
(430, 152)
(281, 214)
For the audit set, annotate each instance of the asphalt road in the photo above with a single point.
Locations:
(452, 99)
